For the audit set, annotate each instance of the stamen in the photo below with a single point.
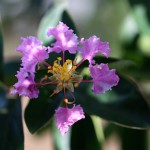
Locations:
(76, 85)
(46, 64)
(38, 67)
(67, 102)
(75, 62)
(54, 92)
(87, 81)
(64, 76)
(59, 58)
(63, 56)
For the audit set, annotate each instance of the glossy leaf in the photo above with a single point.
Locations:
(51, 19)
(123, 105)
(10, 70)
(83, 135)
(11, 127)
(66, 18)
(39, 111)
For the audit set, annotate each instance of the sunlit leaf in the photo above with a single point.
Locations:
(51, 19)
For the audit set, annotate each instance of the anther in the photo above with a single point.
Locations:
(75, 61)
(76, 84)
(66, 100)
(38, 67)
(59, 58)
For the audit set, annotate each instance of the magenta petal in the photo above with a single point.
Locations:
(25, 85)
(103, 78)
(65, 39)
(92, 46)
(27, 44)
(33, 52)
(66, 117)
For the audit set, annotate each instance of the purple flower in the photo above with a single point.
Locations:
(65, 39)
(65, 117)
(33, 52)
(25, 85)
(92, 46)
(63, 73)
(103, 78)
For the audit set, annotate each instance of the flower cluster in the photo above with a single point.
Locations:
(63, 73)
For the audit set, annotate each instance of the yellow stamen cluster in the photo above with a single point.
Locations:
(64, 75)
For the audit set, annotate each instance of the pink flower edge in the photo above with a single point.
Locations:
(103, 78)
(66, 117)
(65, 39)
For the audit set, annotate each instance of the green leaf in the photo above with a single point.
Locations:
(10, 122)
(10, 70)
(66, 18)
(39, 111)
(123, 105)
(129, 138)
(51, 19)
(139, 69)
(11, 127)
(83, 136)
(141, 18)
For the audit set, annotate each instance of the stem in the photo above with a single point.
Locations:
(87, 81)
(64, 93)
(52, 94)
(80, 63)
(63, 56)
(74, 100)
(47, 83)
(46, 64)
(65, 97)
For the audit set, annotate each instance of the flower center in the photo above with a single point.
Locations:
(65, 75)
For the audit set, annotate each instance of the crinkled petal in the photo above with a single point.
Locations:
(33, 52)
(90, 47)
(103, 78)
(66, 117)
(27, 44)
(65, 39)
(25, 85)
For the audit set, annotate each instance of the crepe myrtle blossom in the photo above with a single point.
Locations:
(63, 73)
(33, 52)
